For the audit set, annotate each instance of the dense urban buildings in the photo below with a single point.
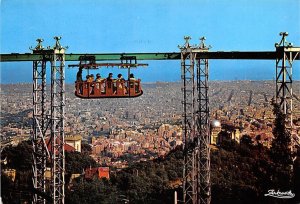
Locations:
(128, 130)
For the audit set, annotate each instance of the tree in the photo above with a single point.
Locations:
(281, 144)
(19, 157)
(280, 151)
(76, 162)
(246, 140)
(86, 148)
(95, 191)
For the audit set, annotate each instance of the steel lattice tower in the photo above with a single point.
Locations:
(57, 123)
(39, 125)
(286, 55)
(188, 90)
(202, 129)
(196, 171)
(284, 62)
(51, 125)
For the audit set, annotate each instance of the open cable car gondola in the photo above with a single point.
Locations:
(107, 88)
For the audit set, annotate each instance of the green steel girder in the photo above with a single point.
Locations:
(263, 55)
(99, 57)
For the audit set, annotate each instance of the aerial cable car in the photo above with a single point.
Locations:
(107, 87)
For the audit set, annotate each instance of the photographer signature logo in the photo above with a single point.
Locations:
(278, 194)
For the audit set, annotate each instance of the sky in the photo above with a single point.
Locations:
(114, 26)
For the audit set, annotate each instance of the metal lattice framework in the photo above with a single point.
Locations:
(49, 121)
(196, 172)
(284, 62)
(57, 125)
(39, 125)
(284, 67)
(188, 102)
(203, 139)
(49, 125)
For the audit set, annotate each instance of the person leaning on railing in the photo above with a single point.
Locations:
(79, 75)
(79, 80)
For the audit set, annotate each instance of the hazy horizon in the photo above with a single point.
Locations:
(169, 71)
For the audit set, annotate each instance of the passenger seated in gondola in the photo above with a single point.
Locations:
(110, 82)
(121, 84)
(132, 82)
(120, 77)
(92, 77)
(90, 80)
(87, 78)
(100, 83)
(110, 77)
(98, 78)
(131, 77)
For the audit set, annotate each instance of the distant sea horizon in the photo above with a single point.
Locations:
(163, 71)
(154, 82)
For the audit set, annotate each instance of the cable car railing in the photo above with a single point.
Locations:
(108, 89)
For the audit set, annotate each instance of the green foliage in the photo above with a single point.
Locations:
(246, 140)
(244, 173)
(5, 193)
(19, 157)
(95, 191)
(232, 176)
(76, 162)
(280, 150)
(86, 148)
(240, 173)
(144, 182)
(149, 182)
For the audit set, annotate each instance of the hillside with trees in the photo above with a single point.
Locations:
(240, 173)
